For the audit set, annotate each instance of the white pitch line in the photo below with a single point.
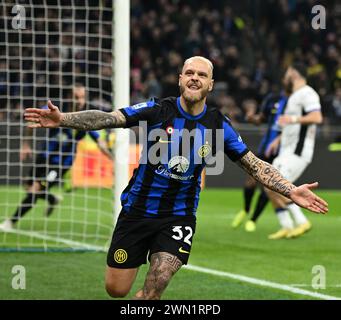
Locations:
(260, 282)
(70, 243)
(309, 285)
(234, 276)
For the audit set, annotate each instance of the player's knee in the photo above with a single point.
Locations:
(116, 291)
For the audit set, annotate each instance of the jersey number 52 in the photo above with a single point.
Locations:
(179, 234)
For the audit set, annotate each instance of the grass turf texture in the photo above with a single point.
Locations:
(58, 275)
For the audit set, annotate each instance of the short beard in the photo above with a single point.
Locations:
(193, 100)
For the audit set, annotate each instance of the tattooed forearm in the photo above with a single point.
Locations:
(163, 266)
(93, 120)
(266, 174)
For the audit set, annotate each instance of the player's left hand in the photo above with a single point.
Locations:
(284, 120)
(305, 198)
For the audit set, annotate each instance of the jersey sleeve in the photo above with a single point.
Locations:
(234, 147)
(146, 111)
(311, 101)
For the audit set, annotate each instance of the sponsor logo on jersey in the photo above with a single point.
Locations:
(178, 164)
(120, 255)
(163, 171)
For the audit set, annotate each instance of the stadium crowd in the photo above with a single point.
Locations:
(249, 42)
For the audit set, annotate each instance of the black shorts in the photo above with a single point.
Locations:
(136, 236)
(47, 174)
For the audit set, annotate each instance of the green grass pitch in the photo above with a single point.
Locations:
(80, 275)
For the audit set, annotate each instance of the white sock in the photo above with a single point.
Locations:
(297, 213)
(284, 219)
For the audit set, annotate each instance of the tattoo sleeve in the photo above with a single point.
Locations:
(266, 174)
(93, 120)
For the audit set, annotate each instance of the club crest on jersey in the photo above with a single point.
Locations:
(204, 150)
(169, 130)
(178, 164)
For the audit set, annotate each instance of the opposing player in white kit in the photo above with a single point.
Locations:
(302, 114)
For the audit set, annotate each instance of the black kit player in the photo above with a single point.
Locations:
(271, 109)
(53, 160)
(159, 204)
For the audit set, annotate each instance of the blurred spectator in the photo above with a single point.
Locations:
(333, 108)
(250, 46)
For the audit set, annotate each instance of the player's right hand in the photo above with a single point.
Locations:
(43, 118)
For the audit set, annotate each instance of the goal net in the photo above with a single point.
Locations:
(53, 50)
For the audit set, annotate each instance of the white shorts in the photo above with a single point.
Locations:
(291, 166)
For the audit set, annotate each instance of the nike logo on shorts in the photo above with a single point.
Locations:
(183, 251)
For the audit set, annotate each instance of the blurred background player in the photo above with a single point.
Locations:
(297, 141)
(271, 108)
(53, 161)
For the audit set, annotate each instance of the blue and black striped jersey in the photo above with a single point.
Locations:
(272, 107)
(171, 186)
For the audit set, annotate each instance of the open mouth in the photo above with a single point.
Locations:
(193, 87)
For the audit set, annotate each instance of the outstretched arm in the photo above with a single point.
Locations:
(93, 120)
(271, 178)
(82, 120)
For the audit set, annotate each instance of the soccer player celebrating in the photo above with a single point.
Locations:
(160, 201)
(271, 108)
(52, 162)
(297, 140)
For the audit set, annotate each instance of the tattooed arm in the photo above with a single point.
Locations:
(271, 178)
(83, 120)
(92, 120)
(266, 174)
